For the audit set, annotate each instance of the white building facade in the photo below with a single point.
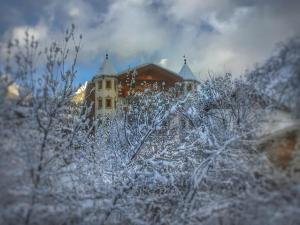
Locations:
(106, 91)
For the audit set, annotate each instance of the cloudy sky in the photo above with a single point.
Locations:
(215, 35)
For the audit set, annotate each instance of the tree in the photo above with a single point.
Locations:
(279, 76)
(44, 102)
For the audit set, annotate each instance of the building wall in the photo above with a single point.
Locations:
(189, 86)
(105, 94)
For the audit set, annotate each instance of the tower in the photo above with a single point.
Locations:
(106, 93)
(189, 80)
(189, 84)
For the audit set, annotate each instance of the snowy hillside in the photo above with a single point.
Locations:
(279, 77)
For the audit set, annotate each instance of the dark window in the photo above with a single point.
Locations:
(100, 84)
(108, 84)
(100, 103)
(189, 87)
(108, 103)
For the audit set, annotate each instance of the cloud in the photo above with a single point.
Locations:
(163, 62)
(130, 29)
(40, 32)
(220, 36)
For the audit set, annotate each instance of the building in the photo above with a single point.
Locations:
(107, 89)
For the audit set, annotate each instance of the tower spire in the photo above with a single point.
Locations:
(107, 67)
(186, 72)
(184, 59)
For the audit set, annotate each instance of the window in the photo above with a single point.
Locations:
(108, 103)
(99, 103)
(189, 87)
(108, 84)
(100, 84)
